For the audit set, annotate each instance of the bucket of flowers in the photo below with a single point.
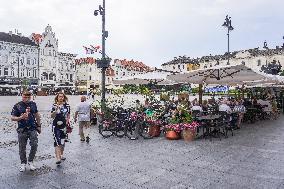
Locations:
(189, 130)
(153, 122)
(172, 131)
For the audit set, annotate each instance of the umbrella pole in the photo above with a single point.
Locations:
(243, 91)
(200, 92)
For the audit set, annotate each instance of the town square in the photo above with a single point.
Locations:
(141, 94)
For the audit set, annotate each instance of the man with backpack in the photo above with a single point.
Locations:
(26, 114)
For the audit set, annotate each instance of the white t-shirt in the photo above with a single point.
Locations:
(196, 108)
(225, 108)
(83, 110)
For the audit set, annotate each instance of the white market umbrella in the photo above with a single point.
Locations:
(158, 77)
(229, 75)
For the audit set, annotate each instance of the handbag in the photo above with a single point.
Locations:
(69, 128)
(59, 121)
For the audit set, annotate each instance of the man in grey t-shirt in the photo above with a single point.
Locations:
(82, 113)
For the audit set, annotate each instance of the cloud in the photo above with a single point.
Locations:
(149, 31)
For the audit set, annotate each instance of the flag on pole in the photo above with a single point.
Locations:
(96, 48)
(88, 50)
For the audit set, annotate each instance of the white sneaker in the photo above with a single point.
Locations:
(32, 167)
(22, 167)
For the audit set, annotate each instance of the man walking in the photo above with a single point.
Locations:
(26, 114)
(83, 111)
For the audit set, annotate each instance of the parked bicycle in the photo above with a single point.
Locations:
(114, 123)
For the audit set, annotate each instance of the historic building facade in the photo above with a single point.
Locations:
(18, 59)
(35, 60)
(252, 58)
(124, 68)
(181, 64)
(89, 76)
(56, 68)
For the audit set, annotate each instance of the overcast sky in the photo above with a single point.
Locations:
(151, 31)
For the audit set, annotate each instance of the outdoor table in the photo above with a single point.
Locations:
(209, 121)
(208, 117)
(250, 114)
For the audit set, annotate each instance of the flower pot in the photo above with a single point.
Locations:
(188, 135)
(172, 135)
(154, 131)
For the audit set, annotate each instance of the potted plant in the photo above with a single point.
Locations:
(154, 129)
(173, 131)
(189, 130)
(153, 122)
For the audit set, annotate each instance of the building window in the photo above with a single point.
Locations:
(22, 61)
(258, 62)
(90, 77)
(174, 67)
(182, 66)
(5, 71)
(243, 63)
(179, 67)
(90, 69)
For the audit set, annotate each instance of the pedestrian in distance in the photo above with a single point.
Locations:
(82, 114)
(60, 113)
(26, 114)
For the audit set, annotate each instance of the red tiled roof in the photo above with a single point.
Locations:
(36, 37)
(89, 60)
(134, 65)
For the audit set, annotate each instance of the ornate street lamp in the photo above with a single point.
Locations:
(228, 25)
(104, 62)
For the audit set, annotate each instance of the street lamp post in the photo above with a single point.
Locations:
(228, 25)
(104, 62)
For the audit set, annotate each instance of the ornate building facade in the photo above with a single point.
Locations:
(18, 59)
(56, 68)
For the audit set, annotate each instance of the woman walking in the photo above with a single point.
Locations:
(61, 115)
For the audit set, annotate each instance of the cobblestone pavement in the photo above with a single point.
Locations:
(253, 158)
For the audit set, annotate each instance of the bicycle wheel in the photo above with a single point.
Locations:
(144, 131)
(119, 129)
(105, 129)
(130, 130)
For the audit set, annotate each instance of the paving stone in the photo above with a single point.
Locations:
(253, 158)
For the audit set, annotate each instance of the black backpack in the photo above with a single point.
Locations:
(59, 121)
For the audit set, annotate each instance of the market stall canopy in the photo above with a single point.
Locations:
(157, 76)
(269, 80)
(229, 75)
